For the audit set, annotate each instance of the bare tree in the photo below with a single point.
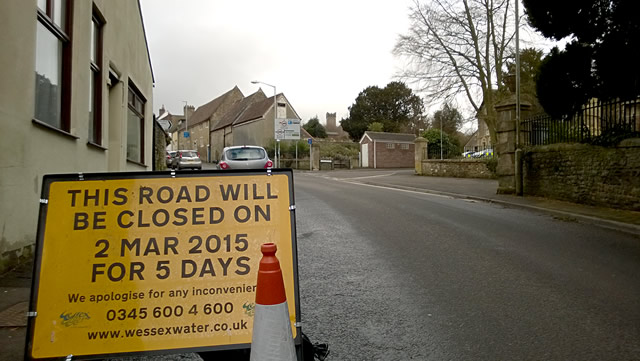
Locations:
(458, 48)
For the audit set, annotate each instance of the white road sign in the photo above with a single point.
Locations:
(287, 129)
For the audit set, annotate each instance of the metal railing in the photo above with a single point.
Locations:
(595, 120)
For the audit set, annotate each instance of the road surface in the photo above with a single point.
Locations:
(387, 274)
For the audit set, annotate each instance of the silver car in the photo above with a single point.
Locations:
(244, 157)
(170, 155)
(187, 159)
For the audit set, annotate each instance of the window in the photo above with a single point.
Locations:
(245, 154)
(53, 64)
(95, 80)
(391, 146)
(135, 126)
(404, 146)
(282, 111)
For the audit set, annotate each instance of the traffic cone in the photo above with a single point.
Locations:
(272, 338)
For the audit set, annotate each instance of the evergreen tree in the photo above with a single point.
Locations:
(394, 106)
(315, 128)
(601, 59)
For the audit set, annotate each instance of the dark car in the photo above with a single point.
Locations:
(187, 159)
(169, 160)
(244, 157)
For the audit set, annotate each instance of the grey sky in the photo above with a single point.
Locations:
(320, 54)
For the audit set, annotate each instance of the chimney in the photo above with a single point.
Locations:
(188, 110)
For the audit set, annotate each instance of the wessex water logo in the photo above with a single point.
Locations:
(72, 319)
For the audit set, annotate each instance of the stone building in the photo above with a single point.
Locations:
(335, 131)
(221, 133)
(240, 120)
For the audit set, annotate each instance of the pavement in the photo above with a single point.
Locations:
(15, 285)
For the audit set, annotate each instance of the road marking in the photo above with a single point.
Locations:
(400, 190)
(327, 176)
(371, 176)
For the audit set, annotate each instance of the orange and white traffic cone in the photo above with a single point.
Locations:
(272, 337)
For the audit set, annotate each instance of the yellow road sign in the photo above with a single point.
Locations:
(140, 262)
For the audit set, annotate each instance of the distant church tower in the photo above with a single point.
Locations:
(333, 130)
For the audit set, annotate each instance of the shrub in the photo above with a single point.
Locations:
(492, 164)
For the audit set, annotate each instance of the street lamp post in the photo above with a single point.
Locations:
(186, 120)
(517, 76)
(275, 115)
(441, 157)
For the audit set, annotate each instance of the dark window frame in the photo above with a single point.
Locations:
(65, 36)
(96, 68)
(136, 102)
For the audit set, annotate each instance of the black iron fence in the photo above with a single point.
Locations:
(598, 122)
(433, 151)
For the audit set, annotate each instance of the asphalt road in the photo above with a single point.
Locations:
(387, 274)
(391, 274)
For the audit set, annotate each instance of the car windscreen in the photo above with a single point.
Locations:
(245, 154)
(189, 154)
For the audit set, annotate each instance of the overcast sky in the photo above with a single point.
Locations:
(319, 53)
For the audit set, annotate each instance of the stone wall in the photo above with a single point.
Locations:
(460, 168)
(585, 174)
(161, 140)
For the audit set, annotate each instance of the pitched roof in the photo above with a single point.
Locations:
(259, 108)
(255, 110)
(238, 110)
(390, 137)
(204, 112)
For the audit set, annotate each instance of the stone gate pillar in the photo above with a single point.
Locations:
(420, 153)
(506, 147)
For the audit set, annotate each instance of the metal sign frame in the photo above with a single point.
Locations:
(169, 176)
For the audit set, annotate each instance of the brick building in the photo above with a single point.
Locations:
(387, 150)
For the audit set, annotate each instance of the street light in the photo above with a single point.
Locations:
(275, 111)
(441, 157)
(186, 120)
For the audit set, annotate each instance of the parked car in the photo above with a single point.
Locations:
(244, 157)
(467, 154)
(187, 159)
(170, 156)
(483, 153)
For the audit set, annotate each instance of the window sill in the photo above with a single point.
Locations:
(96, 145)
(44, 125)
(136, 162)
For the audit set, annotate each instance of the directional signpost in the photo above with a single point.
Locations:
(134, 262)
